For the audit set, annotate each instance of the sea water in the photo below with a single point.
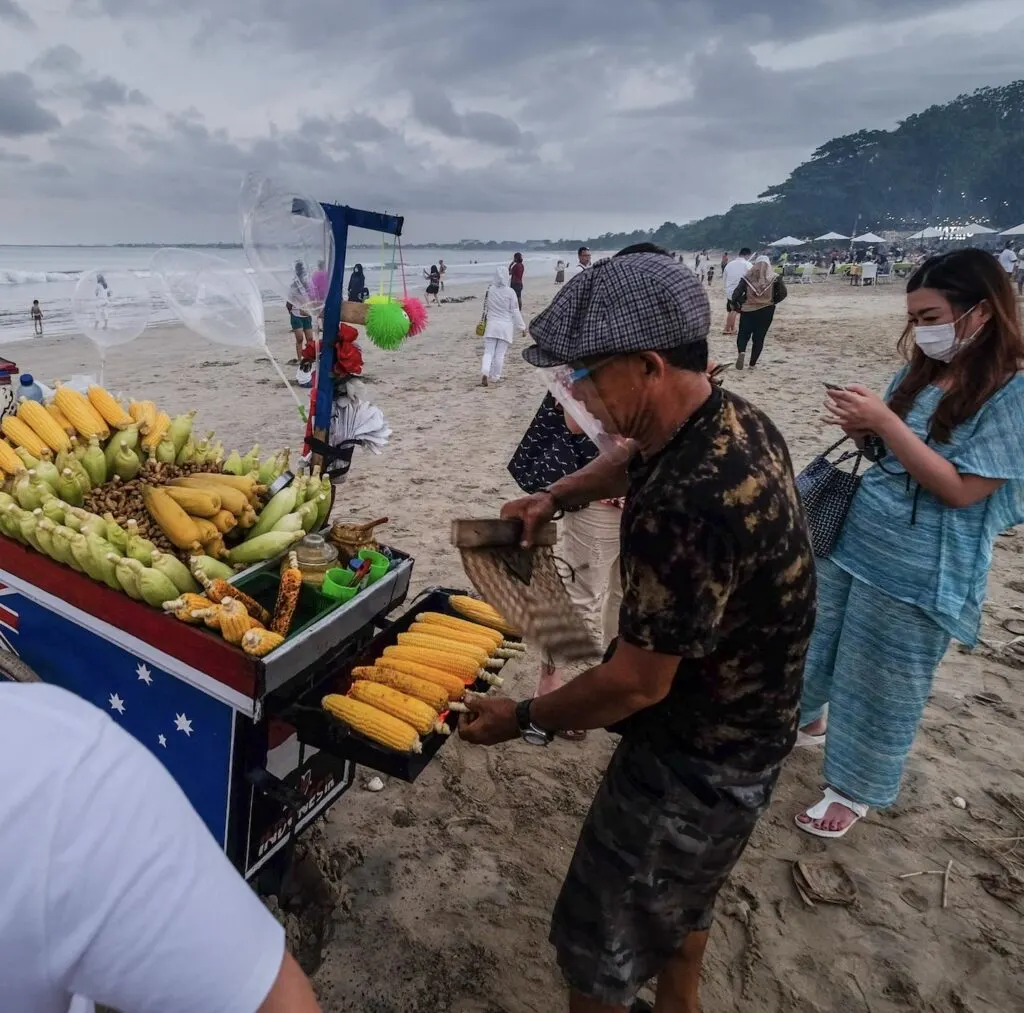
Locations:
(50, 273)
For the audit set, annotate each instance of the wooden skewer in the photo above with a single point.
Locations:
(925, 872)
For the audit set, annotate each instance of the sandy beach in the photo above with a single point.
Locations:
(436, 896)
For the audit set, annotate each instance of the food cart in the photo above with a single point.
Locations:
(244, 737)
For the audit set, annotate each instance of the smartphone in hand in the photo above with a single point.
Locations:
(833, 386)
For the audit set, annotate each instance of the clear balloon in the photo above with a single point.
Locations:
(212, 297)
(111, 307)
(288, 241)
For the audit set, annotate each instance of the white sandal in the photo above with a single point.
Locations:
(818, 812)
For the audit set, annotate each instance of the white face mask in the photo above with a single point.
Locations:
(938, 341)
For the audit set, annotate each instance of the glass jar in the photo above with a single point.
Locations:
(315, 557)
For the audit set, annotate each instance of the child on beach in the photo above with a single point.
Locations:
(37, 318)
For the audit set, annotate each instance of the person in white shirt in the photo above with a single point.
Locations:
(582, 262)
(503, 316)
(734, 271)
(112, 890)
(1008, 258)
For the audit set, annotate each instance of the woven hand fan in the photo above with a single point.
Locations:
(524, 585)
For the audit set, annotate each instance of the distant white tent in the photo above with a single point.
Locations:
(930, 233)
(869, 237)
(830, 235)
(1016, 231)
(974, 229)
(787, 241)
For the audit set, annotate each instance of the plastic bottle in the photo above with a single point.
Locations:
(30, 389)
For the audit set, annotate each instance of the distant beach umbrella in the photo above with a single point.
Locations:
(830, 236)
(788, 241)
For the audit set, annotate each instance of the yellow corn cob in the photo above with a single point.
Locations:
(479, 655)
(207, 530)
(230, 498)
(455, 665)
(502, 653)
(454, 623)
(374, 724)
(143, 412)
(156, 432)
(453, 685)
(80, 413)
(218, 590)
(183, 608)
(39, 420)
(10, 463)
(224, 521)
(22, 436)
(430, 693)
(406, 708)
(235, 624)
(485, 643)
(173, 521)
(60, 418)
(196, 502)
(480, 612)
(109, 407)
(260, 642)
(287, 596)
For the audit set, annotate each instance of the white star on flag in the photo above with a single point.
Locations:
(182, 724)
(144, 674)
(116, 703)
(162, 739)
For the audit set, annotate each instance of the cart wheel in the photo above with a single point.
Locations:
(13, 669)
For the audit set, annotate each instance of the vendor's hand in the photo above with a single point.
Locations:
(491, 719)
(856, 408)
(534, 511)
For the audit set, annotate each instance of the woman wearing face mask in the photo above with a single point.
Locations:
(909, 571)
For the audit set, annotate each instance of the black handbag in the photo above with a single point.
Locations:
(548, 451)
(827, 492)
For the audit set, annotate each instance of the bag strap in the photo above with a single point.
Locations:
(483, 315)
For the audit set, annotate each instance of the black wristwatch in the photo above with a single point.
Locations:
(529, 732)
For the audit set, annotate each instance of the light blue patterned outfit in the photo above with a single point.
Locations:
(894, 594)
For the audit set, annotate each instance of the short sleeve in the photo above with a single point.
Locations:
(679, 572)
(144, 912)
(992, 450)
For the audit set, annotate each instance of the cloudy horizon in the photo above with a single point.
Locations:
(135, 120)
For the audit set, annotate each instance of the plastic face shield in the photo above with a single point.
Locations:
(574, 389)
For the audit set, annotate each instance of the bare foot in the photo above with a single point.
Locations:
(816, 727)
(837, 817)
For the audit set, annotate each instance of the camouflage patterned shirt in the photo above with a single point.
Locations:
(717, 569)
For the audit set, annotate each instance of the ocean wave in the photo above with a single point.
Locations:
(35, 277)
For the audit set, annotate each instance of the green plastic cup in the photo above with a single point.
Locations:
(379, 564)
(339, 585)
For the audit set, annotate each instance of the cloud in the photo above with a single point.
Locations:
(434, 109)
(12, 13)
(564, 118)
(103, 92)
(59, 59)
(20, 111)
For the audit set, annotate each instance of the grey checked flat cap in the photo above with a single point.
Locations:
(640, 302)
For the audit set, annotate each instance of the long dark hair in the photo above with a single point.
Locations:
(966, 278)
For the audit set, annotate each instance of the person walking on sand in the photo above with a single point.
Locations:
(442, 269)
(516, 270)
(37, 318)
(756, 295)
(300, 321)
(433, 279)
(732, 272)
(501, 307)
(910, 568)
(560, 272)
(114, 890)
(101, 303)
(704, 678)
(357, 290)
(1008, 259)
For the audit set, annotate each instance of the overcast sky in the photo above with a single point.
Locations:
(135, 120)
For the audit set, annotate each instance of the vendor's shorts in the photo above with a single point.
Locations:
(653, 854)
(301, 323)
